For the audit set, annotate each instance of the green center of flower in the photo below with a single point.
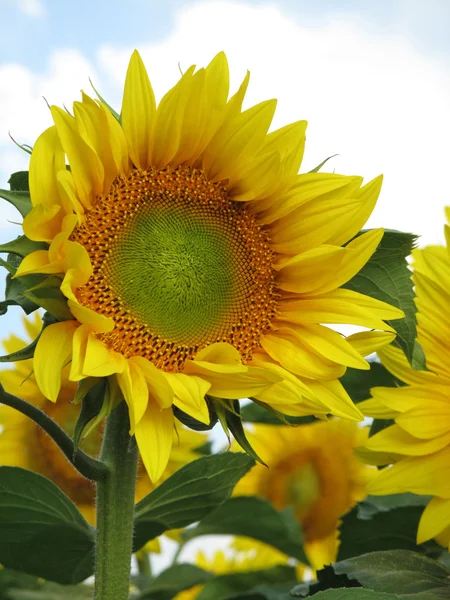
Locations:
(176, 272)
(303, 488)
(178, 266)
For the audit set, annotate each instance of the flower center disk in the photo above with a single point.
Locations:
(178, 266)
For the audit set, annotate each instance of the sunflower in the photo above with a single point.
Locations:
(24, 444)
(194, 258)
(313, 469)
(419, 441)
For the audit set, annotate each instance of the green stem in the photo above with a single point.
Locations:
(115, 509)
(86, 465)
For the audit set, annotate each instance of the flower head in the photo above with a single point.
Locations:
(312, 468)
(419, 441)
(194, 258)
(24, 444)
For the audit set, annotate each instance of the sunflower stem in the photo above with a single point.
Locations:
(86, 465)
(115, 509)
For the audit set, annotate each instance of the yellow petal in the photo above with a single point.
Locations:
(331, 345)
(79, 345)
(356, 255)
(395, 440)
(169, 121)
(98, 323)
(138, 112)
(288, 348)
(86, 167)
(367, 342)
(68, 194)
(374, 408)
(427, 421)
(135, 391)
(53, 352)
(325, 189)
(419, 475)
(37, 262)
(154, 438)
(99, 360)
(435, 518)
(309, 271)
(333, 395)
(238, 142)
(47, 159)
(158, 386)
(259, 179)
(367, 197)
(396, 362)
(190, 395)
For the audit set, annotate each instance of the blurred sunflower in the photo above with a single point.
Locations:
(313, 469)
(194, 258)
(242, 554)
(419, 441)
(24, 444)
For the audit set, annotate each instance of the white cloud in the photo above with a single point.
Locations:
(373, 98)
(32, 8)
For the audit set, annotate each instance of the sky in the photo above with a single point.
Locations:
(371, 78)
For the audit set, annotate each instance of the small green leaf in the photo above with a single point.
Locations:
(250, 584)
(317, 169)
(193, 423)
(189, 494)
(20, 200)
(18, 182)
(41, 531)
(259, 412)
(91, 406)
(47, 294)
(111, 110)
(386, 277)
(22, 246)
(244, 516)
(234, 422)
(172, 581)
(401, 572)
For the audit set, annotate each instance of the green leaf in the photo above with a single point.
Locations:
(22, 246)
(401, 572)
(326, 579)
(358, 383)
(189, 494)
(15, 585)
(375, 504)
(254, 412)
(41, 531)
(231, 585)
(386, 277)
(255, 518)
(234, 422)
(47, 294)
(21, 200)
(18, 182)
(388, 530)
(14, 288)
(354, 594)
(319, 166)
(174, 580)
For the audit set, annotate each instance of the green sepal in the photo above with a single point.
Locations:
(20, 200)
(260, 412)
(234, 422)
(317, 169)
(222, 416)
(84, 386)
(110, 399)
(19, 181)
(22, 246)
(114, 113)
(193, 423)
(14, 288)
(47, 294)
(28, 351)
(91, 406)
